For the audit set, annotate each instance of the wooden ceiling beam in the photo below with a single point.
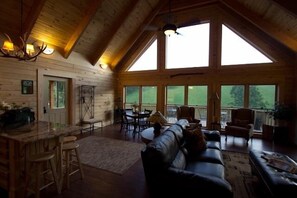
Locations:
(32, 16)
(132, 39)
(89, 14)
(259, 22)
(112, 31)
(289, 5)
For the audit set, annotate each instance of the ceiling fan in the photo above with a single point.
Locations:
(170, 28)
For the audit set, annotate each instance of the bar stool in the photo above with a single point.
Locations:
(70, 138)
(70, 152)
(38, 166)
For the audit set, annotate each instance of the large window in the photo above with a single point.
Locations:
(196, 97)
(147, 61)
(260, 98)
(143, 96)
(232, 97)
(189, 49)
(237, 51)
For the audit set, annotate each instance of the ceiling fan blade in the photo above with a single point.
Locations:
(180, 34)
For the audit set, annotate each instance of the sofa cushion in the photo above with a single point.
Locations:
(206, 168)
(209, 155)
(194, 140)
(179, 161)
(213, 144)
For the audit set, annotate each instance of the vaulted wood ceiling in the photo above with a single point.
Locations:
(105, 30)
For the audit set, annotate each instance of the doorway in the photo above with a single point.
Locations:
(55, 100)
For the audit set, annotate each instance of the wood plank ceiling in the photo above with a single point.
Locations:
(104, 30)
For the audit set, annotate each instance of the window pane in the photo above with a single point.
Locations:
(61, 94)
(132, 95)
(57, 94)
(232, 97)
(149, 98)
(236, 50)
(190, 49)
(175, 97)
(262, 96)
(148, 60)
(197, 97)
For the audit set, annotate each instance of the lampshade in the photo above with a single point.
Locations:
(8, 46)
(157, 117)
(30, 49)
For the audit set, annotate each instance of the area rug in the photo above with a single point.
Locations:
(238, 173)
(108, 154)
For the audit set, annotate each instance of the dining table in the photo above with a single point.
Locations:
(17, 144)
(137, 116)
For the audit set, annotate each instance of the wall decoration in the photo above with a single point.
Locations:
(27, 86)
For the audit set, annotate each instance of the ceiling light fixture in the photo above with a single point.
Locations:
(169, 29)
(23, 51)
(103, 65)
(48, 51)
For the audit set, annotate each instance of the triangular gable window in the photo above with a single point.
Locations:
(236, 51)
(147, 61)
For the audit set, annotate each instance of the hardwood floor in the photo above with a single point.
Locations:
(99, 183)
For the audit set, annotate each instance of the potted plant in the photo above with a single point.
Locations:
(282, 113)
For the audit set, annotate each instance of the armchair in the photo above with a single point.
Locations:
(242, 123)
(188, 113)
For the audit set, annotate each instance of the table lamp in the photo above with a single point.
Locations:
(158, 119)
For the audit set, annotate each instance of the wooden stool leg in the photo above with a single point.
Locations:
(79, 164)
(54, 172)
(37, 182)
(67, 168)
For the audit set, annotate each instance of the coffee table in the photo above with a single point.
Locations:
(279, 183)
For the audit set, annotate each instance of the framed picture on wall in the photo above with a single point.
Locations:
(27, 86)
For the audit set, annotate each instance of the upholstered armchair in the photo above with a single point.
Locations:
(242, 123)
(188, 113)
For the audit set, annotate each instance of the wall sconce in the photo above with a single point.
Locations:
(103, 65)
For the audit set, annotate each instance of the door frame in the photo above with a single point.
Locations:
(71, 90)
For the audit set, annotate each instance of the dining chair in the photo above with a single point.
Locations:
(126, 122)
(143, 122)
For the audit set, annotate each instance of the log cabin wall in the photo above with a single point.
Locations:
(75, 67)
(282, 72)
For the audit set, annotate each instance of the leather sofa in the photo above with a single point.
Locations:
(171, 171)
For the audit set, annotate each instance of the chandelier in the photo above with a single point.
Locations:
(22, 50)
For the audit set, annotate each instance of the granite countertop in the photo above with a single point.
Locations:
(39, 130)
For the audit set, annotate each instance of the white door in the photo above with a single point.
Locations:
(55, 97)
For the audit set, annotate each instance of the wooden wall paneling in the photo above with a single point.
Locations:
(79, 71)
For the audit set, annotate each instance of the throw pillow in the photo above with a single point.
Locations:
(194, 140)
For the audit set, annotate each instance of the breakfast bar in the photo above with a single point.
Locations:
(17, 144)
